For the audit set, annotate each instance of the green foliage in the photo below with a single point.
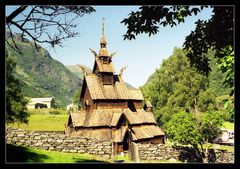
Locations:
(226, 65)
(206, 101)
(185, 128)
(209, 126)
(42, 76)
(77, 70)
(228, 125)
(226, 106)
(216, 78)
(149, 18)
(16, 110)
(176, 86)
(76, 98)
(215, 33)
(182, 128)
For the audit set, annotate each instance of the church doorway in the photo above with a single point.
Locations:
(126, 141)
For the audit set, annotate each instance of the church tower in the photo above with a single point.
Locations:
(103, 66)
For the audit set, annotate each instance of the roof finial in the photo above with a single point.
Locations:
(121, 70)
(103, 41)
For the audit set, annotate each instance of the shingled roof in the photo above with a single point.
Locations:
(117, 91)
(110, 117)
(139, 117)
(105, 67)
(146, 131)
(138, 133)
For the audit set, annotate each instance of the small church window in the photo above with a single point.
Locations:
(131, 106)
(105, 60)
(87, 105)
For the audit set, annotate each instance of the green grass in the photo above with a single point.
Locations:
(228, 125)
(41, 122)
(222, 147)
(125, 158)
(32, 155)
(48, 111)
(228, 148)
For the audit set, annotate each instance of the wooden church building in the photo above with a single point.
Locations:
(111, 111)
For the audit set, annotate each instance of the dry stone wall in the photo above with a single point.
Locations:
(58, 142)
(185, 154)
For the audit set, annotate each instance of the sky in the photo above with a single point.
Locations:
(142, 56)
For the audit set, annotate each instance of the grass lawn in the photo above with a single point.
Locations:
(122, 158)
(32, 155)
(48, 111)
(228, 125)
(222, 147)
(42, 122)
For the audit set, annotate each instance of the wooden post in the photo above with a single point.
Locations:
(134, 152)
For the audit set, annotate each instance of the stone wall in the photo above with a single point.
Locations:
(58, 142)
(185, 154)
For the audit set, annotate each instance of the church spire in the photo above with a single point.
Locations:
(102, 26)
(103, 41)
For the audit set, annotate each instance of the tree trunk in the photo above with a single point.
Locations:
(205, 159)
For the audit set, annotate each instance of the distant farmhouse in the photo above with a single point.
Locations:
(110, 111)
(37, 103)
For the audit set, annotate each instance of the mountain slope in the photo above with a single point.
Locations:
(41, 75)
(77, 70)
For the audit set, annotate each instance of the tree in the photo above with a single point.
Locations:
(182, 129)
(76, 98)
(207, 101)
(16, 110)
(36, 21)
(186, 129)
(175, 87)
(209, 127)
(216, 33)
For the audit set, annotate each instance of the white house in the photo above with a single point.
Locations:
(46, 102)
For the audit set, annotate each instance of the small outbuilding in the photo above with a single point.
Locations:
(38, 103)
